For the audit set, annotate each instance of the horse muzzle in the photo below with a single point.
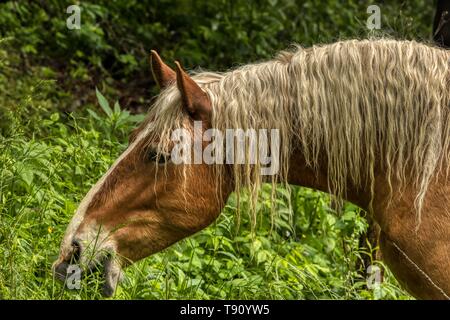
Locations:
(81, 260)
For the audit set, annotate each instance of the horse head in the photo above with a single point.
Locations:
(146, 202)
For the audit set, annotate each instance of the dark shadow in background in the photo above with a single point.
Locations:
(441, 26)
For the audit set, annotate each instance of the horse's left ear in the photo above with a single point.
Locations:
(162, 73)
(195, 101)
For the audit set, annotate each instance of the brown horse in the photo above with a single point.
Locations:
(368, 121)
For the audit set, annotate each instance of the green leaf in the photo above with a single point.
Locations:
(26, 174)
(94, 115)
(54, 117)
(116, 107)
(103, 103)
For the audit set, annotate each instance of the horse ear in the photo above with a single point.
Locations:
(195, 101)
(163, 74)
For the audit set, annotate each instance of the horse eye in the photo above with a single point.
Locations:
(158, 158)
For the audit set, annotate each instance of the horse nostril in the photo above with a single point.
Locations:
(75, 243)
(76, 249)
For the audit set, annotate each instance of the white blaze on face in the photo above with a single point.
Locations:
(95, 233)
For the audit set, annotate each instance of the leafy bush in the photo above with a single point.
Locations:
(116, 37)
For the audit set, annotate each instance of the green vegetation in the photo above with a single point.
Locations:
(56, 140)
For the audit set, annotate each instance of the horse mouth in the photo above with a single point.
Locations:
(60, 270)
(71, 273)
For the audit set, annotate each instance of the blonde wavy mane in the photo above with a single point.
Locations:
(361, 105)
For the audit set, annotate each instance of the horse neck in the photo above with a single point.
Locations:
(302, 174)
